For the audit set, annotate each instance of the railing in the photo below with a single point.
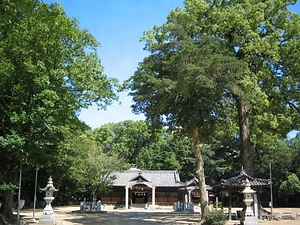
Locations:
(183, 207)
(87, 206)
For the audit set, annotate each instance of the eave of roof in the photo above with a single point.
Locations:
(239, 181)
(194, 184)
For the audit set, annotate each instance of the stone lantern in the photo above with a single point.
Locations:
(48, 215)
(248, 192)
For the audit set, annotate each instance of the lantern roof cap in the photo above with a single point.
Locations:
(248, 189)
(49, 186)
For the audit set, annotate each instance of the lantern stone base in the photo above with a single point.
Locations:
(250, 220)
(49, 219)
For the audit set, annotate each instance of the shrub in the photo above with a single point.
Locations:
(215, 217)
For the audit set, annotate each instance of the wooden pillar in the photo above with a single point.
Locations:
(222, 198)
(126, 197)
(259, 203)
(153, 197)
(189, 196)
(229, 204)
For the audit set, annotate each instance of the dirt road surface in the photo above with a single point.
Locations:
(72, 216)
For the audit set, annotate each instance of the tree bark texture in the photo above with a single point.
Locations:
(6, 209)
(246, 148)
(200, 172)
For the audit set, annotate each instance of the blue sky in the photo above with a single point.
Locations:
(118, 26)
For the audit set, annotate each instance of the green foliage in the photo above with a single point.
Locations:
(291, 186)
(215, 217)
(49, 70)
(294, 143)
(214, 57)
(168, 152)
(220, 162)
(175, 85)
(184, 81)
(97, 169)
(229, 68)
(126, 138)
(89, 167)
(6, 188)
(147, 148)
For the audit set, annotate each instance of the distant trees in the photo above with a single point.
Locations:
(140, 145)
(290, 188)
(95, 167)
(126, 138)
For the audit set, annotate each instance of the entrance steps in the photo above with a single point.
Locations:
(139, 206)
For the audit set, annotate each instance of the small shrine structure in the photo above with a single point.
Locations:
(192, 191)
(237, 184)
(48, 214)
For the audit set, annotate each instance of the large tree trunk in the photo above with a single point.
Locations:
(200, 172)
(6, 209)
(246, 149)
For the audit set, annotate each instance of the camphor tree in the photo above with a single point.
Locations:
(49, 70)
(214, 52)
(181, 83)
(265, 36)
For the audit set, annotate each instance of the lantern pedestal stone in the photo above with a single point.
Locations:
(248, 192)
(48, 214)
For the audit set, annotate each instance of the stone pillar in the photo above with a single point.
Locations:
(153, 197)
(255, 205)
(126, 197)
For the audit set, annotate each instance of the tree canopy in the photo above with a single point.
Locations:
(212, 55)
(218, 52)
(49, 71)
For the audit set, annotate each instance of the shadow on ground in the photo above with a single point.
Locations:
(133, 218)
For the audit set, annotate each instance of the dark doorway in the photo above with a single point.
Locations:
(139, 197)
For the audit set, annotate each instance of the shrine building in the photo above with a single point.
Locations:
(149, 188)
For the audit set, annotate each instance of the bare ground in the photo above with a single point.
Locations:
(162, 216)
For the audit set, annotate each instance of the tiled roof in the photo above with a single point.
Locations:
(158, 178)
(195, 183)
(239, 181)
